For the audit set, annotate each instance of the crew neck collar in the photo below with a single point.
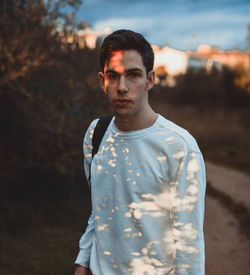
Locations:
(132, 134)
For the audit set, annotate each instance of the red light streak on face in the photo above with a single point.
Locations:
(116, 62)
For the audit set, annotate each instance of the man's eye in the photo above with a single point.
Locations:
(133, 75)
(113, 76)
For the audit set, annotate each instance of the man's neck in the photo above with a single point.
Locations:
(137, 122)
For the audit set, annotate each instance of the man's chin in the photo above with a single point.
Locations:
(121, 112)
(122, 115)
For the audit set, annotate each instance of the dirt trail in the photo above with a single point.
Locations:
(232, 182)
(227, 249)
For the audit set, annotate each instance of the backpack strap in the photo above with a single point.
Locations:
(98, 135)
(99, 132)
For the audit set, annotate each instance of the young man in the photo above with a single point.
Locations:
(147, 179)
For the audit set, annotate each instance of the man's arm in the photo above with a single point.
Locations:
(86, 240)
(188, 214)
(85, 244)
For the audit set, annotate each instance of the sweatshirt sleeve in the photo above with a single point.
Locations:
(87, 238)
(85, 244)
(188, 215)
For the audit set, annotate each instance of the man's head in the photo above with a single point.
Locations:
(127, 74)
(127, 40)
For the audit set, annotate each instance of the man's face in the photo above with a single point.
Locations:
(126, 83)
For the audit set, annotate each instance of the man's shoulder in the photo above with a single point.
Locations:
(93, 123)
(90, 131)
(176, 135)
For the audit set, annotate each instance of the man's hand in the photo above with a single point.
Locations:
(81, 270)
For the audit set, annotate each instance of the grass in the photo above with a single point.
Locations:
(41, 239)
(45, 251)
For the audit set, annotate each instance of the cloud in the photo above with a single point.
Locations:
(216, 22)
(126, 22)
(209, 27)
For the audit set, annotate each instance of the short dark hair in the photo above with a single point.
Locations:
(127, 40)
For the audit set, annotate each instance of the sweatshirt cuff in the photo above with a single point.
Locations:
(83, 258)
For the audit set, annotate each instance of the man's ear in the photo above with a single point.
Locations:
(150, 80)
(101, 80)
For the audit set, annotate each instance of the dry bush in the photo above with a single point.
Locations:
(205, 90)
(224, 137)
(242, 79)
(214, 109)
(48, 95)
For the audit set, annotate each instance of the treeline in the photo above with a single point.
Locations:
(207, 90)
(48, 94)
(215, 110)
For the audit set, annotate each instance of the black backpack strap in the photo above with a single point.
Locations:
(99, 132)
(98, 135)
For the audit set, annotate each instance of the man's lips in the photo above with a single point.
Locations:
(122, 101)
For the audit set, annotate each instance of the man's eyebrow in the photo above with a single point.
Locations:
(111, 71)
(127, 71)
(134, 70)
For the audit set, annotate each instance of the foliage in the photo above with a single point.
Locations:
(242, 79)
(214, 110)
(46, 90)
(209, 90)
(28, 34)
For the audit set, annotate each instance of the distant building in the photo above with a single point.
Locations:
(169, 62)
(197, 63)
(230, 59)
(87, 37)
(174, 61)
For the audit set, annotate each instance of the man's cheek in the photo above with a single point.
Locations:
(107, 90)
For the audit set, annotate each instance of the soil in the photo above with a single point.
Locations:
(227, 248)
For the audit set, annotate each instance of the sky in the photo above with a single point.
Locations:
(180, 24)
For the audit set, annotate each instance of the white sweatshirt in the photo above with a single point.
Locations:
(147, 189)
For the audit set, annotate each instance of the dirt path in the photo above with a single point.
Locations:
(232, 182)
(227, 249)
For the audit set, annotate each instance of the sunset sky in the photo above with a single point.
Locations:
(181, 24)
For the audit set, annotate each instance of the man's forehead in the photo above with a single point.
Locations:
(123, 60)
(117, 56)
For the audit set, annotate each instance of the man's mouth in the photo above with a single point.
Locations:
(122, 102)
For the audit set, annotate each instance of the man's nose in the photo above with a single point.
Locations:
(122, 88)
